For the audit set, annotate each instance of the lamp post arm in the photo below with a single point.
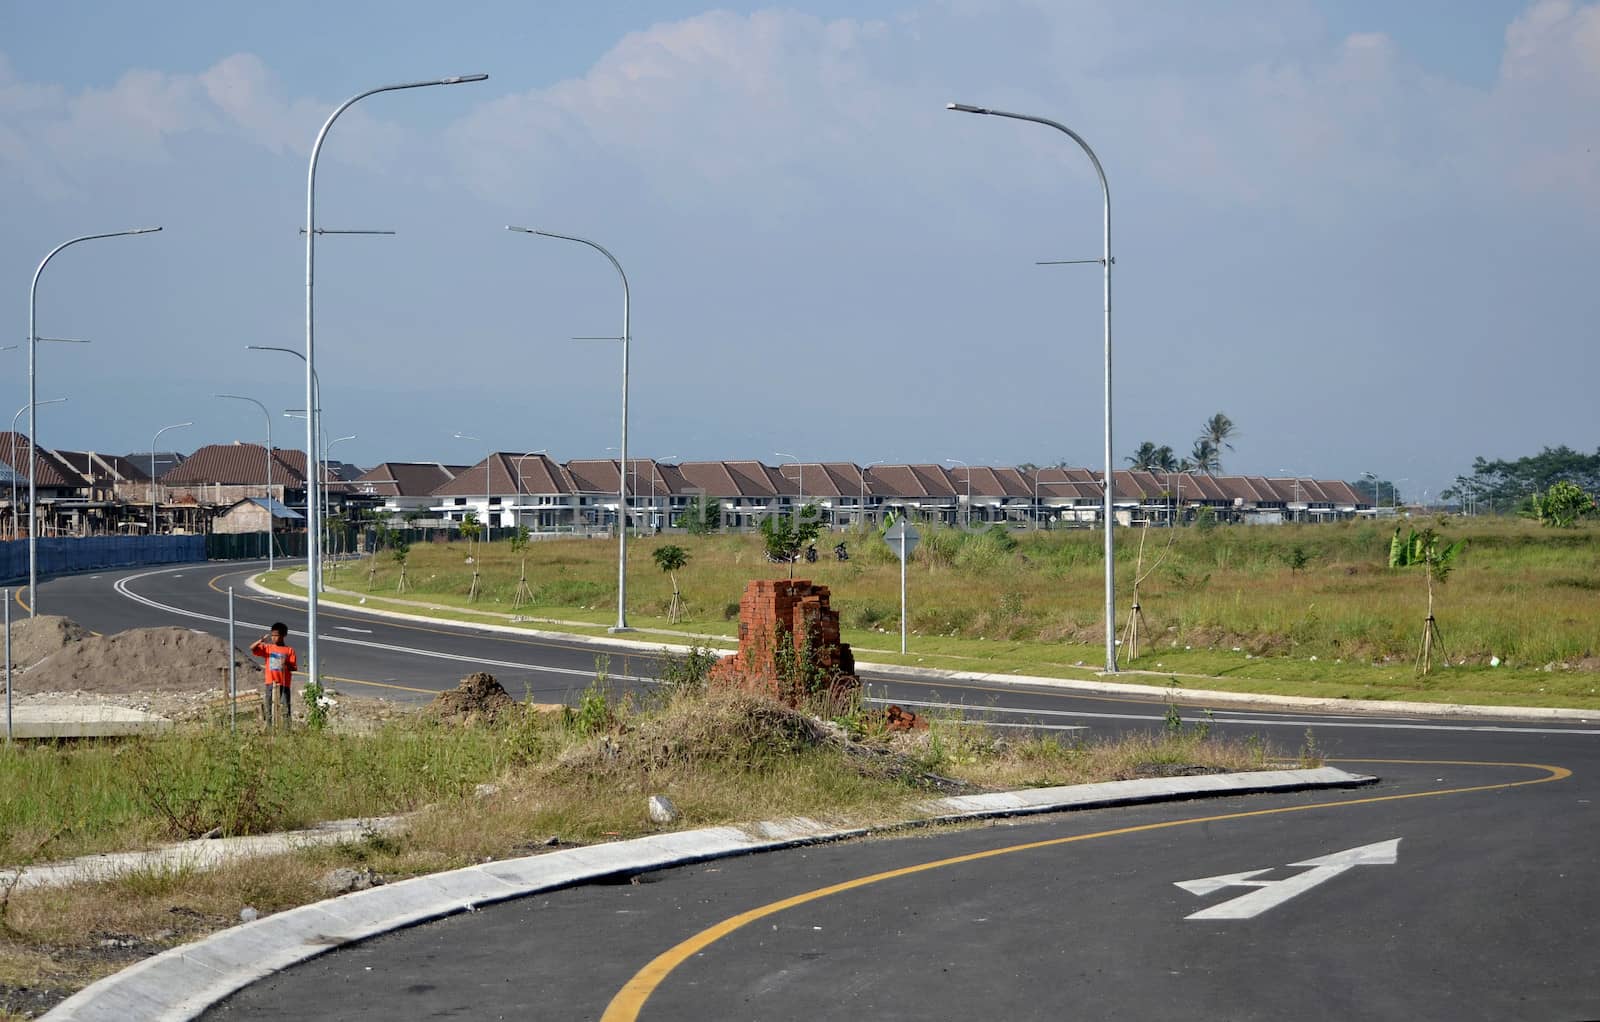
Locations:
(1106, 264)
(33, 426)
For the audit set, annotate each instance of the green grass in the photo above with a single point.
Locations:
(1222, 604)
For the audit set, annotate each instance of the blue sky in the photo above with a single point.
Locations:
(1364, 230)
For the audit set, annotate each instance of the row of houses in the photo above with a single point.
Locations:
(509, 489)
(223, 488)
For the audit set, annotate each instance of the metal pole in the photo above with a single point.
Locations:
(15, 520)
(33, 425)
(233, 668)
(622, 469)
(8, 665)
(313, 551)
(902, 588)
(270, 517)
(1106, 263)
(163, 429)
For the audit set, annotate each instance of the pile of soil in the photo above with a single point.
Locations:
(141, 660)
(478, 697)
(34, 638)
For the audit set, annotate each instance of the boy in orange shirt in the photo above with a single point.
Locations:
(280, 667)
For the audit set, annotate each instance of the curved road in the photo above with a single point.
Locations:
(1465, 886)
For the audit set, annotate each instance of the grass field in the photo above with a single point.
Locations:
(575, 777)
(1225, 603)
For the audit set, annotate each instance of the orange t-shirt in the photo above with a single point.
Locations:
(281, 662)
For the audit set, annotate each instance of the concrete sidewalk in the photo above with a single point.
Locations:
(87, 720)
(182, 983)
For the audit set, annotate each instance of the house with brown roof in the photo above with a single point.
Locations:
(402, 489)
(58, 486)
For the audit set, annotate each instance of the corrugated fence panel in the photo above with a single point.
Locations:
(59, 556)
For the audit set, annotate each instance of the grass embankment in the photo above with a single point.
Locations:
(1297, 609)
(578, 776)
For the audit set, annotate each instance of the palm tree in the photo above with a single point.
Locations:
(1204, 457)
(1165, 460)
(1217, 430)
(1144, 459)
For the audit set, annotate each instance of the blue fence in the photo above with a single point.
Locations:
(91, 553)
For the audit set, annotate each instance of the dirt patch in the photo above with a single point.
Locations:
(479, 697)
(141, 660)
(34, 638)
(29, 1002)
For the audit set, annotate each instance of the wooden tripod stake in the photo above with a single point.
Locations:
(524, 594)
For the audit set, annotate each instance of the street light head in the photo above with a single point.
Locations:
(463, 79)
(966, 108)
(521, 230)
(144, 230)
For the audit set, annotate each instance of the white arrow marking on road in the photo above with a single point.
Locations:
(1270, 893)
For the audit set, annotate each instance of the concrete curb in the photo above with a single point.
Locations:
(183, 982)
(1378, 707)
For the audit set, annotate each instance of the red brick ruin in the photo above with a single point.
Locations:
(799, 612)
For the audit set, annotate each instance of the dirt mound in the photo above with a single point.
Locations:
(141, 660)
(478, 697)
(34, 638)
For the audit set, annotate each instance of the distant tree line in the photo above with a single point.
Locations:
(1502, 485)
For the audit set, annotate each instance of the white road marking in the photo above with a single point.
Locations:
(121, 586)
(1271, 893)
(1300, 722)
(347, 628)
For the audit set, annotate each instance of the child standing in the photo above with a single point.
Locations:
(280, 667)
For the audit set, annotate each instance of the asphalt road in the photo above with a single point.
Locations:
(1469, 889)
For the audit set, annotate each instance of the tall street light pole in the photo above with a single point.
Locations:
(800, 501)
(1106, 263)
(520, 460)
(15, 520)
(327, 489)
(153, 441)
(313, 553)
(622, 475)
(958, 461)
(487, 461)
(271, 515)
(33, 426)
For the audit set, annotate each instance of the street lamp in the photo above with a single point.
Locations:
(861, 502)
(313, 554)
(958, 461)
(622, 476)
(15, 520)
(655, 470)
(33, 426)
(271, 515)
(487, 461)
(163, 429)
(1377, 489)
(327, 488)
(520, 460)
(800, 501)
(1106, 262)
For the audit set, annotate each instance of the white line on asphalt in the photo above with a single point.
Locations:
(121, 586)
(347, 628)
(1246, 722)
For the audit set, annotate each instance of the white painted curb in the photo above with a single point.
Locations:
(1378, 707)
(183, 982)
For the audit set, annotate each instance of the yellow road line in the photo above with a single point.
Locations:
(630, 1000)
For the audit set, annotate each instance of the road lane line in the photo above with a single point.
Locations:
(630, 1000)
(121, 587)
(1381, 725)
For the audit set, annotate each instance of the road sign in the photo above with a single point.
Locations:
(902, 530)
(1270, 893)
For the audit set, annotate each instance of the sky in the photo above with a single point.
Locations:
(1365, 231)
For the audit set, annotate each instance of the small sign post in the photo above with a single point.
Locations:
(902, 538)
